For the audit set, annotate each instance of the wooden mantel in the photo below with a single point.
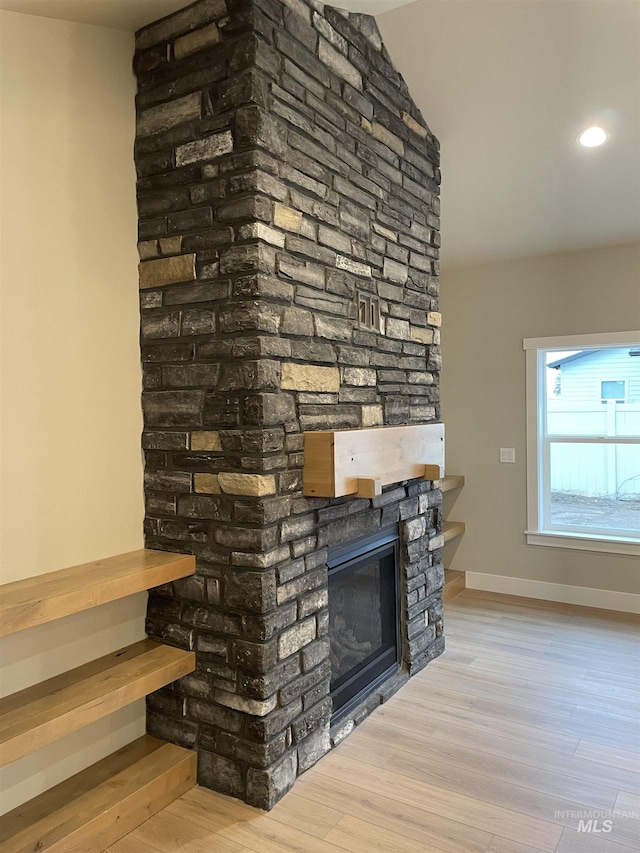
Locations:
(360, 462)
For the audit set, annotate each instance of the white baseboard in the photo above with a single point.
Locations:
(625, 602)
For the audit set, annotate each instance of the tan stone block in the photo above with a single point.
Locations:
(167, 28)
(170, 245)
(303, 377)
(339, 64)
(167, 271)
(385, 232)
(383, 135)
(421, 335)
(413, 125)
(148, 249)
(254, 485)
(205, 441)
(197, 40)
(355, 267)
(372, 416)
(165, 116)
(208, 148)
(287, 218)
(255, 707)
(260, 231)
(434, 318)
(206, 484)
(293, 639)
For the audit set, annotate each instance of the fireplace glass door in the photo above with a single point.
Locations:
(363, 618)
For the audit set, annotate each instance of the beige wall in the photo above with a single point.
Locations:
(71, 488)
(487, 312)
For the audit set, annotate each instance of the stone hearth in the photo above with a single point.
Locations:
(285, 180)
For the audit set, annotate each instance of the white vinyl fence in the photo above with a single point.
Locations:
(611, 470)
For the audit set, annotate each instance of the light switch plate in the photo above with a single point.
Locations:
(507, 454)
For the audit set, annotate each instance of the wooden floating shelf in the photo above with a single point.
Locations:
(100, 805)
(454, 582)
(450, 482)
(452, 529)
(360, 462)
(43, 598)
(41, 714)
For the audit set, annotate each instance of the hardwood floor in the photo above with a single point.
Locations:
(523, 737)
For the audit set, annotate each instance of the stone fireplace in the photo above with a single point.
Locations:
(288, 206)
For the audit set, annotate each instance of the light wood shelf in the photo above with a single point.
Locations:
(43, 598)
(41, 714)
(454, 582)
(452, 529)
(450, 482)
(360, 462)
(98, 806)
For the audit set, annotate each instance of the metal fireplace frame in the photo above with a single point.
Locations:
(348, 557)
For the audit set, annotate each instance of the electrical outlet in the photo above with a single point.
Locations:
(507, 454)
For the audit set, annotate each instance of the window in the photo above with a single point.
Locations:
(583, 442)
(612, 391)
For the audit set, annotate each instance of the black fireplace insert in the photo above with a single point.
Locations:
(364, 618)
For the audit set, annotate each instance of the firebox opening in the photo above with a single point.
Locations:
(364, 617)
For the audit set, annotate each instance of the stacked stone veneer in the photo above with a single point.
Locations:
(282, 167)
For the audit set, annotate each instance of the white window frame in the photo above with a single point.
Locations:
(538, 443)
(617, 382)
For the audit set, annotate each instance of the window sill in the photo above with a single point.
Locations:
(585, 542)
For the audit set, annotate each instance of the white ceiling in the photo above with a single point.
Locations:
(133, 14)
(506, 85)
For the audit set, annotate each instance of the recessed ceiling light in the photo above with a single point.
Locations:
(592, 137)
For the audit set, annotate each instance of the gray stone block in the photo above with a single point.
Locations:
(266, 787)
(219, 773)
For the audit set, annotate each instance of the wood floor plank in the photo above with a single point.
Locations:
(526, 753)
(410, 713)
(628, 802)
(359, 836)
(545, 677)
(314, 819)
(525, 795)
(622, 758)
(608, 719)
(131, 844)
(522, 693)
(509, 705)
(486, 816)
(167, 832)
(252, 829)
(444, 757)
(592, 842)
(503, 845)
(415, 822)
